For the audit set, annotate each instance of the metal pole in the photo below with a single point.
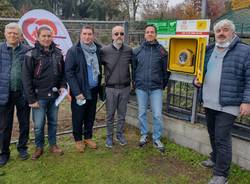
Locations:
(126, 32)
(203, 9)
(194, 106)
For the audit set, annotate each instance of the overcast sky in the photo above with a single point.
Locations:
(174, 2)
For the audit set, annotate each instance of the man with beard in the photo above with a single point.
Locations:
(225, 94)
(116, 58)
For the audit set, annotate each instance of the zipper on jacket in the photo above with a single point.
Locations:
(39, 68)
(119, 78)
(149, 68)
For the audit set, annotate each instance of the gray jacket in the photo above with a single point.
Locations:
(120, 77)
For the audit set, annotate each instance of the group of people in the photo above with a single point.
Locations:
(33, 78)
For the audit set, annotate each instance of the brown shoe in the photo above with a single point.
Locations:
(56, 150)
(90, 143)
(38, 152)
(80, 146)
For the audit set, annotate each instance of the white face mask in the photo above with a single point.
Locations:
(225, 44)
(222, 45)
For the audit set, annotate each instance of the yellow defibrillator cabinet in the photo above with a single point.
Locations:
(186, 55)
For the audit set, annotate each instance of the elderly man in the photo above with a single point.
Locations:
(150, 78)
(11, 93)
(226, 94)
(116, 58)
(83, 73)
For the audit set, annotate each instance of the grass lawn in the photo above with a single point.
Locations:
(119, 165)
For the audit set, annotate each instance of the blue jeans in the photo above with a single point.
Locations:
(47, 108)
(155, 98)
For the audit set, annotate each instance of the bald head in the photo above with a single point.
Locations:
(118, 35)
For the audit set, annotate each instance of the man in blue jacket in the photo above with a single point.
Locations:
(225, 94)
(11, 93)
(83, 74)
(150, 78)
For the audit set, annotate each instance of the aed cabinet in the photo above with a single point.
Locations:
(186, 55)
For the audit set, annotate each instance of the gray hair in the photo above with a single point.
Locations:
(224, 22)
(13, 25)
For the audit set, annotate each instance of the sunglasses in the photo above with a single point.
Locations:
(121, 33)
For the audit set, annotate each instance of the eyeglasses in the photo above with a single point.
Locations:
(121, 33)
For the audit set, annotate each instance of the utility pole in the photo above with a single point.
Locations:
(195, 95)
(203, 9)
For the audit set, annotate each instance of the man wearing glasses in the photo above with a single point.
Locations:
(116, 58)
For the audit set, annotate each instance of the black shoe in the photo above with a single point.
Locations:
(4, 159)
(23, 155)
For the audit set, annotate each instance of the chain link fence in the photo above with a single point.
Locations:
(178, 97)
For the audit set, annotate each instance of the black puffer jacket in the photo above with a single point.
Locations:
(43, 71)
(150, 66)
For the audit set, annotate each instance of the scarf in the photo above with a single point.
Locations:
(91, 58)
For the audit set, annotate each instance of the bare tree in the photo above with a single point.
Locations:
(131, 8)
(216, 8)
(153, 9)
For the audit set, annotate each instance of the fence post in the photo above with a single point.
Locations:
(194, 105)
(168, 96)
(126, 32)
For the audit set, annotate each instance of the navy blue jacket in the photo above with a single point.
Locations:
(150, 66)
(5, 68)
(76, 71)
(235, 76)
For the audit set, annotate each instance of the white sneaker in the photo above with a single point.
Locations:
(218, 180)
(158, 144)
(143, 140)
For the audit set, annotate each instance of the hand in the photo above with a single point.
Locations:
(80, 97)
(34, 105)
(61, 90)
(197, 83)
(244, 109)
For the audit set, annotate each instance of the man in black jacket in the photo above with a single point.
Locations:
(116, 58)
(150, 78)
(11, 93)
(83, 73)
(225, 94)
(43, 80)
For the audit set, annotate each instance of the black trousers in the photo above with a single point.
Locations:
(219, 125)
(17, 100)
(84, 116)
